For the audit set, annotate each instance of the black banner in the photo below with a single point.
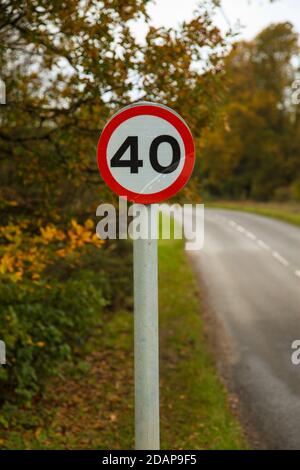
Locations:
(136, 459)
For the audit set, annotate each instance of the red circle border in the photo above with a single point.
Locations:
(182, 129)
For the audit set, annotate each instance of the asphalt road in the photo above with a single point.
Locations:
(250, 266)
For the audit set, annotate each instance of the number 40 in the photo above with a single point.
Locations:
(134, 163)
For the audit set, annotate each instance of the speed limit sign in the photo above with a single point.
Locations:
(146, 153)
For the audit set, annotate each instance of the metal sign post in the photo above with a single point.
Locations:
(146, 362)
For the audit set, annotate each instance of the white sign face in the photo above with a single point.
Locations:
(147, 179)
(146, 153)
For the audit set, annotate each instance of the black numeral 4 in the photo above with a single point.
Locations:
(133, 163)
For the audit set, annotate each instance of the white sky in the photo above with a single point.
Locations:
(253, 15)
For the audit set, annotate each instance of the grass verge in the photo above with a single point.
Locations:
(287, 212)
(90, 405)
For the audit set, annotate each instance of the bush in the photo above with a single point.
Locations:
(50, 320)
(295, 190)
(282, 194)
(42, 325)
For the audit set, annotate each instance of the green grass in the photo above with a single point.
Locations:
(90, 405)
(287, 212)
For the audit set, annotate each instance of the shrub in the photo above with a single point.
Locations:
(49, 320)
(43, 324)
(295, 190)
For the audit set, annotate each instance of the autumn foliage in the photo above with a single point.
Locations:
(253, 149)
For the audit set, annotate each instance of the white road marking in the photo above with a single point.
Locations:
(263, 245)
(250, 235)
(280, 258)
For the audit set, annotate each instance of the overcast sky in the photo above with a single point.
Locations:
(253, 15)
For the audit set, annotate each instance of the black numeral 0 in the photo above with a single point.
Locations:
(175, 157)
(134, 163)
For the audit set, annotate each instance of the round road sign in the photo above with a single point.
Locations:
(146, 153)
